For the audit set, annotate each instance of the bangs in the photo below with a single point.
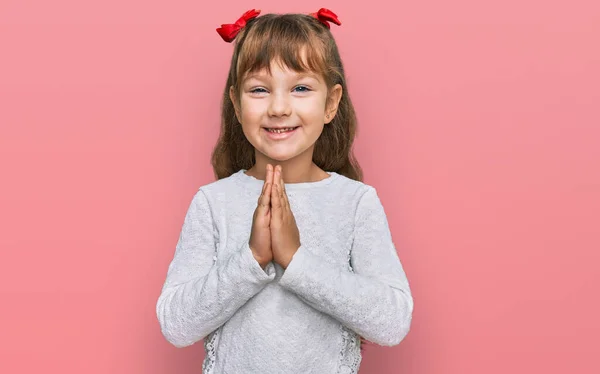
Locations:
(285, 40)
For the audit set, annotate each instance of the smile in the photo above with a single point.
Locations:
(281, 133)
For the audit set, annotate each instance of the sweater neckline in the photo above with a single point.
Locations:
(241, 174)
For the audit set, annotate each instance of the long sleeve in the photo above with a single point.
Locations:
(375, 300)
(199, 294)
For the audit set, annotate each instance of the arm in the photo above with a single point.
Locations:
(199, 295)
(375, 301)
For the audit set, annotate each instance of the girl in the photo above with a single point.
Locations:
(287, 260)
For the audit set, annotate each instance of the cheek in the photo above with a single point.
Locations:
(313, 109)
(251, 110)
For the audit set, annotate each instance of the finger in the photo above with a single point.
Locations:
(268, 185)
(277, 204)
(274, 195)
(265, 197)
(275, 200)
(280, 189)
(285, 201)
(269, 176)
(267, 179)
(268, 196)
(275, 175)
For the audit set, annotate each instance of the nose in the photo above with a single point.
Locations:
(280, 105)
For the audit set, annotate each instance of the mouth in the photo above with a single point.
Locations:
(280, 133)
(280, 130)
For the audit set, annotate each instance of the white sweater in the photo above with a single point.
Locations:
(345, 280)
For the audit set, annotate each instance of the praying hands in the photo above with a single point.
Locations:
(275, 235)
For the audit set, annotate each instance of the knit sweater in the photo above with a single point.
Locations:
(344, 281)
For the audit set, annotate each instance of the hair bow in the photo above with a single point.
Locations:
(229, 31)
(325, 16)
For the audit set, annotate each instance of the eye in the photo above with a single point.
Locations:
(258, 90)
(302, 88)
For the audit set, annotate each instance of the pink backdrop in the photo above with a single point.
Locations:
(479, 128)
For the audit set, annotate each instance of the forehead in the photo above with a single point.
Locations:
(281, 61)
(281, 72)
(277, 66)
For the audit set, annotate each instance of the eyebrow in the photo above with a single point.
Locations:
(309, 75)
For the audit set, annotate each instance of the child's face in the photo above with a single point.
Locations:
(285, 99)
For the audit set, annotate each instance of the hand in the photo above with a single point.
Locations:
(260, 237)
(285, 237)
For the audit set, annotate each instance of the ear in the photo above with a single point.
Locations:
(234, 100)
(333, 101)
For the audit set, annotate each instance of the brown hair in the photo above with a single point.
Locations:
(283, 37)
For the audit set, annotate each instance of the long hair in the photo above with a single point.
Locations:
(284, 37)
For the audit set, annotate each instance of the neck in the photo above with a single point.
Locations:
(299, 169)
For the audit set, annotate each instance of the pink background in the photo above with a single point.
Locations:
(479, 126)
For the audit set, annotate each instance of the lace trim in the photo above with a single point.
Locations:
(210, 343)
(350, 356)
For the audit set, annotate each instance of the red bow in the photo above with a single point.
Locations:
(324, 15)
(229, 31)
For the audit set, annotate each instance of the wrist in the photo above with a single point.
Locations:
(262, 262)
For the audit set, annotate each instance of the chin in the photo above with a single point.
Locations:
(282, 153)
(280, 157)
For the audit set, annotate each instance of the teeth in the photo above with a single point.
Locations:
(279, 131)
